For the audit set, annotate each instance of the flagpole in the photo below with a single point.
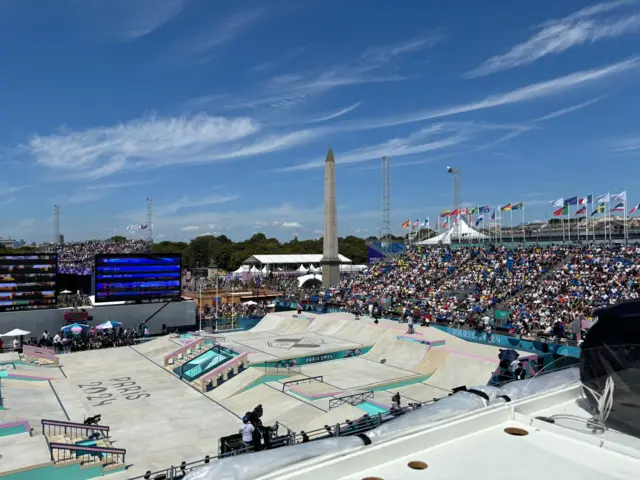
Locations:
(511, 221)
(569, 223)
(524, 231)
(625, 219)
(607, 219)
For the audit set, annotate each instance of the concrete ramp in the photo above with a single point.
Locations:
(274, 402)
(364, 334)
(431, 361)
(398, 353)
(318, 420)
(236, 384)
(157, 348)
(271, 322)
(419, 392)
(458, 369)
(31, 401)
(326, 325)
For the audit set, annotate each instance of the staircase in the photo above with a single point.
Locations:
(88, 445)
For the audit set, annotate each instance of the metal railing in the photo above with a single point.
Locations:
(317, 378)
(63, 452)
(355, 399)
(282, 368)
(54, 427)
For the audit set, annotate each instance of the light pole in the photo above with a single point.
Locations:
(455, 171)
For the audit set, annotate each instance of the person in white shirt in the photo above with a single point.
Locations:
(16, 343)
(247, 432)
(410, 323)
(57, 342)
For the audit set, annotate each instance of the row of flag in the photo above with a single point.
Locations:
(601, 202)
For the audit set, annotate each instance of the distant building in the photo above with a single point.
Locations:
(7, 243)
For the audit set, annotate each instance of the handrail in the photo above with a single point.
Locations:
(83, 448)
(182, 349)
(74, 424)
(45, 351)
(221, 368)
(319, 378)
(30, 351)
(355, 399)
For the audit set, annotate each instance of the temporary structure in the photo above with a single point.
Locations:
(302, 269)
(460, 231)
(16, 332)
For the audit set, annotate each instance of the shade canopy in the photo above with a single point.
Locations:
(109, 325)
(16, 332)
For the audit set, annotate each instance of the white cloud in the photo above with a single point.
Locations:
(523, 94)
(190, 228)
(226, 31)
(284, 90)
(558, 36)
(7, 201)
(6, 189)
(627, 145)
(128, 20)
(565, 111)
(337, 114)
(290, 225)
(155, 142)
(433, 138)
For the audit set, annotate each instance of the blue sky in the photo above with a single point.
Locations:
(222, 111)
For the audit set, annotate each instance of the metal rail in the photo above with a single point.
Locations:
(56, 427)
(355, 399)
(318, 378)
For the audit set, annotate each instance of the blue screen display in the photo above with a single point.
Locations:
(137, 277)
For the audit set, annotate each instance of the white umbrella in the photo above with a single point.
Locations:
(250, 302)
(108, 325)
(16, 332)
(65, 292)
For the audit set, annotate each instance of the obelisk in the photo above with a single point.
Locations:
(330, 259)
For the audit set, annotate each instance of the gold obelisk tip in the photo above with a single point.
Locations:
(330, 157)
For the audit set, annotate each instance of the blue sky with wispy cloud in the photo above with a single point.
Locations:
(222, 112)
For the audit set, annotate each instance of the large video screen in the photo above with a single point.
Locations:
(122, 278)
(28, 281)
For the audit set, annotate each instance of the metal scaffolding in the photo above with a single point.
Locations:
(385, 229)
(56, 224)
(149, 221)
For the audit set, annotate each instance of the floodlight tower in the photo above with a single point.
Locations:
(149, 222)
(455, 171)
(56, 224)
(385, 230)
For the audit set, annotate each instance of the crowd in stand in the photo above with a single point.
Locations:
(89, 339)
(547, 290)
(78, 257)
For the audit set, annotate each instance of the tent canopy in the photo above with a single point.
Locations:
(460, 231)
(302, 280)
(288, 259)
(16, 332)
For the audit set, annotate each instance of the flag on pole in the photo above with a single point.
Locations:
(618, 208)
(581, 211)
(493, 215)
(464, 211)
(406, 224)
(445, 213)
(426, 223)
(604, 198)
(571, 201)
(506, 208)
(475, 210)
(453, 213)
(586, 200)
(557, 203)
(480, 219)
(518, 206)
(636, 207)
(416, 224)
(485, 209)
(620, 197)
(598, 209)
(561, 211)
(444, 224)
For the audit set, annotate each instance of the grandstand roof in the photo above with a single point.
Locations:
(288, 259)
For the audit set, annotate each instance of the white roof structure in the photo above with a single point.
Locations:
(289, 259)
(305, 278)
(460, 231)
(302, 269)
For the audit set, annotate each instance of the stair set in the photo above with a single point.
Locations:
(87, 445)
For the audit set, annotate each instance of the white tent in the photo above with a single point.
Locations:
(312, 269)
(301, 269)
(254, 270)
(238, 272)
(250, 303)
(460, 231)
(352, 268)
(311, 277)
(16, 332)
(265, 270)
